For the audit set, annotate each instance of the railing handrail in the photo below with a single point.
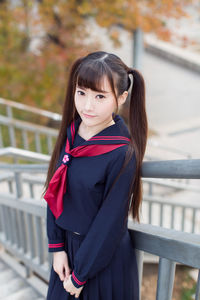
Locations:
(28, 125)
(182, 168)
(182, 247)
(31, 109)
(21, 153)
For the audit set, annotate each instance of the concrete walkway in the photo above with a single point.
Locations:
(14, 285)
(172, 91)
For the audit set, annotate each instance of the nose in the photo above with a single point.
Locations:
(89, 103)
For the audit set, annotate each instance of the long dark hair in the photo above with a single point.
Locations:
(87, 71)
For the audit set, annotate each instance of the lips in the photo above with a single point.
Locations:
(88, 116)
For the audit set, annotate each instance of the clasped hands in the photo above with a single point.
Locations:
(61, 267)
(69, 287)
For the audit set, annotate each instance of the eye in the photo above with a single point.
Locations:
(81, 93)
(101, 96)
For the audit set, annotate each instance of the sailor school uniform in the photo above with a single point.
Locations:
(80, 207)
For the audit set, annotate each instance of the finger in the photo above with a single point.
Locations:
(67, 272)
(62, 275)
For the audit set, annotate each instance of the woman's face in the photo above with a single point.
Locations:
(95, 107)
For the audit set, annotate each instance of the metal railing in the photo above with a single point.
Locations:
(23, 225)
(43, 135)
(168, 206)
(27, 127)
(171, 247)
(23, 212)
(157, 209)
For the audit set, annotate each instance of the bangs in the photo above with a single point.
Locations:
(91, 76)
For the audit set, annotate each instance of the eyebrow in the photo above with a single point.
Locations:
(96, 91)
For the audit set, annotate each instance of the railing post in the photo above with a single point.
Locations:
(18, 184)
(1, 138)
(49, 144)
(139, 257)
(197, 295)
(165, 281)
(150, 188)
(11, 127)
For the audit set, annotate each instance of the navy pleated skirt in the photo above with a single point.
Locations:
(117, 281)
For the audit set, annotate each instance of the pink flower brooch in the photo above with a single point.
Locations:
(66, 158)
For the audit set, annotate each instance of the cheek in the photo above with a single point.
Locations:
(109, 105)
(77, 101)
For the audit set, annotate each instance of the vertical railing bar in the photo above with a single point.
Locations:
(37, 142)
(197, 294)
(18, 183)
(31, 241)
(139, 258)
(193, 219)
(31, 190)
(166, 272)
(22, 228)
(150, 189)
(7, 223)
(15, 226)
(25, 139)
(183, 219)
(49, 144)
(150, 213)
(3, 221)
(11, 127)
(172, 216)
(19, 236)
(39, 237)
(10, 185)
(161, 214)
(1, 138)
(10, 219)
(45, 239)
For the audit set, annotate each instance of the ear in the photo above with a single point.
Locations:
(122, 98)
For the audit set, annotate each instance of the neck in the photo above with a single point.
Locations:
(89, 131)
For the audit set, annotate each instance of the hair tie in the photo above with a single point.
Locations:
(131, 71)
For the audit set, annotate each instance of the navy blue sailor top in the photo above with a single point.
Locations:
(90, 209)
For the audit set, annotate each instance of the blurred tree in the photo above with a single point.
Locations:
(38, 77)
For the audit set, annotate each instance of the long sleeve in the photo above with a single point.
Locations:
(55, 234)
(108, 226)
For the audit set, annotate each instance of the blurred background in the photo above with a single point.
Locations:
(39, 40)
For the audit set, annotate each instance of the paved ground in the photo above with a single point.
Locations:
(13, 286)
(173, 93)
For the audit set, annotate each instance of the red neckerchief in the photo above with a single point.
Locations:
(57, 184)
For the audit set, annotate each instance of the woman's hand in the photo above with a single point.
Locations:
(60, 264)
(69, 287)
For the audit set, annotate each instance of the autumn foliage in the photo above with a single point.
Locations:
(37, 75)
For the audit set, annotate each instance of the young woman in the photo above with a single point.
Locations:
(94, 182)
